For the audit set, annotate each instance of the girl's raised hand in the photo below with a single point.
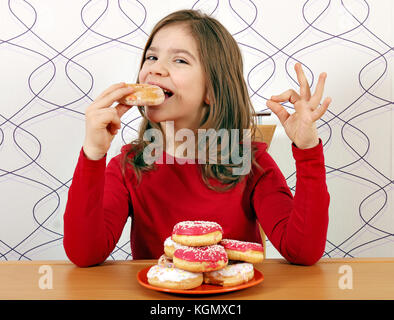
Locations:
(300, 126)
(102, 122)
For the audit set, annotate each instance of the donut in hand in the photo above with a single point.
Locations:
(144, 95)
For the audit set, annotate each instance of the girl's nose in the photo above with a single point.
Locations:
(158, 68)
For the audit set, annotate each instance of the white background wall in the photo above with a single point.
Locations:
(56, 56)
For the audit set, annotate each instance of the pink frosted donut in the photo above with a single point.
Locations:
(197, 233)
(170, 246)
(251, 252)
(200, 259)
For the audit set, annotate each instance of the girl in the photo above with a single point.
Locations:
(197, 61)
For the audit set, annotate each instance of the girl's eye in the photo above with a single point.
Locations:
(180, 61)
(150, 58)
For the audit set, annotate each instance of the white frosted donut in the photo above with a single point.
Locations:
(165, 261)
(197, 233)
(251, 252)
(201, 259)
(173, 278)
(231, 275)
(170, 246)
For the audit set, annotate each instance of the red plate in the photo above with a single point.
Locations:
(204, 288)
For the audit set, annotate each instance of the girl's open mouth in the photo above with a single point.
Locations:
(167, 93)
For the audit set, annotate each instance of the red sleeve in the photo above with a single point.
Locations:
(296, 226)
(96, 212)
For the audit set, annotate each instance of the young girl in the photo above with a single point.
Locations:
(197, 61)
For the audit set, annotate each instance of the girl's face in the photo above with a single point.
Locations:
(172, 63)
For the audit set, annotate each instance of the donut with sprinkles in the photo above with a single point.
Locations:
(165, 261)
(170, 277)
(170, 246)
(200, 259)
(251, 252)
(197, 233)
(233, 274)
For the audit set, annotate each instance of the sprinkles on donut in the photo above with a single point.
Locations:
(232, 275)
(196, 250)
(251, 252)
(197, 233)
(173, 278)
(201, 259)
(170, 246)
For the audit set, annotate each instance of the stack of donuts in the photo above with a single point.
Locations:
(196, 253)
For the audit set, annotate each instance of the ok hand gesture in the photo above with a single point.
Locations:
(300, 126)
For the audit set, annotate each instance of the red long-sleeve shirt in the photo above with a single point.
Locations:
(101, 199)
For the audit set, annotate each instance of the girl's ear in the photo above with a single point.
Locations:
(206, 100)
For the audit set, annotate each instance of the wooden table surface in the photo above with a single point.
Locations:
(333, 279)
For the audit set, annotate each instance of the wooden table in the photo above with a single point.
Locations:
(369, 278)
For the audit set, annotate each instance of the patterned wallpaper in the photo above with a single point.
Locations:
(57, 56)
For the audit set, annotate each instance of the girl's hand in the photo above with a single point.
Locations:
(103, 122)
(300, 126)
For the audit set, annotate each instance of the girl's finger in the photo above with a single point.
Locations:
(122, 109)
(318, 113)
(317, 96)
(305, 91)
(279, 110)
(104, 117)
(110, 89)
(107, 100)
(115, 124)
(289, 95)
(113, 130)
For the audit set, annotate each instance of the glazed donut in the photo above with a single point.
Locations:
(170, 246)
(200, 259)
(251, 252)
(231, 275)
(197, 233)
(173, 278)
(165, 261)
(144, 95)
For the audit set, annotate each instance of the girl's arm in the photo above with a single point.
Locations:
(296, 226)
(97, 205)
(96, 212)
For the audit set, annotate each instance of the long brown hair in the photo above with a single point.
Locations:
(229, 102)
